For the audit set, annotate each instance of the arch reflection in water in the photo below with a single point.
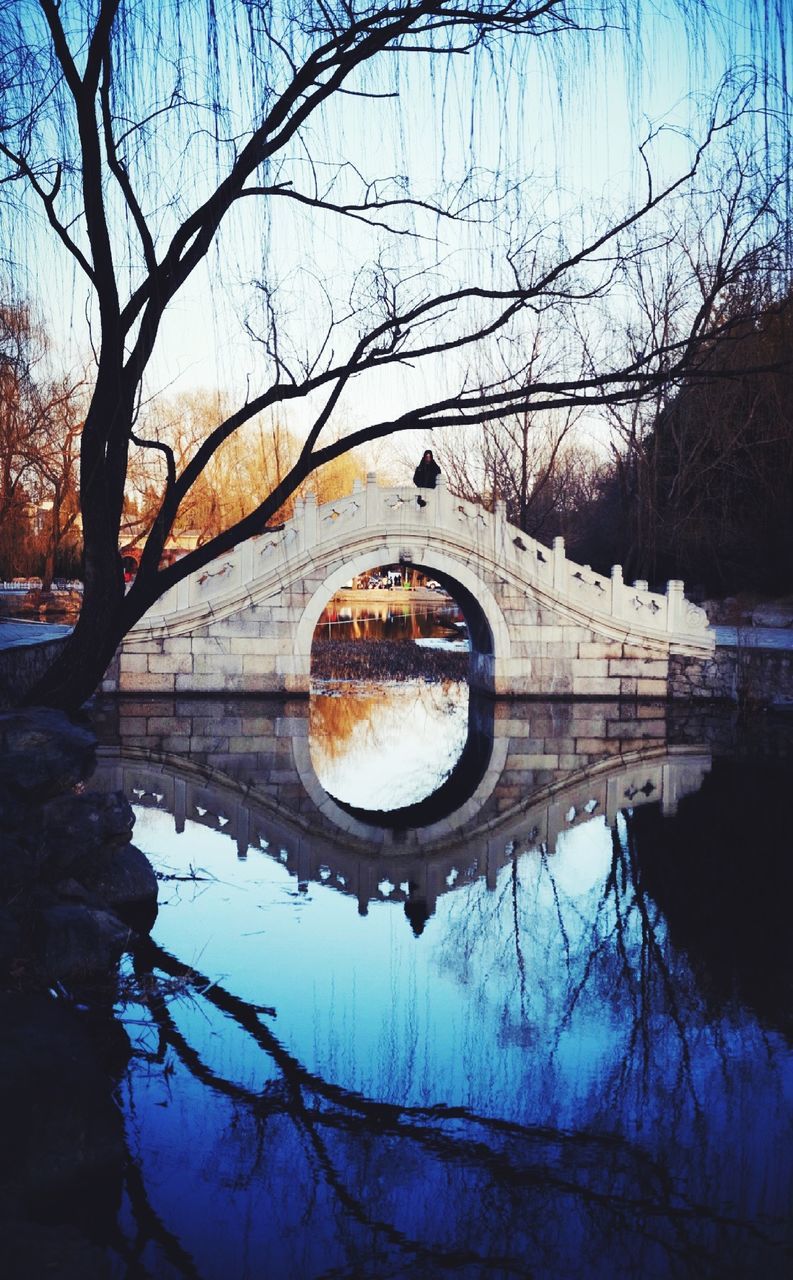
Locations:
(388, 747)
(541, 1082)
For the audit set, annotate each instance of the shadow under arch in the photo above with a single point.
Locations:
(479, 628)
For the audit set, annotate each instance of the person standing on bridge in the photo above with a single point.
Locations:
(426, 474)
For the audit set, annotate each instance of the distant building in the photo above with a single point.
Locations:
(176, 546)
(39, 517)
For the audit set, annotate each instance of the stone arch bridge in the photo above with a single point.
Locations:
(539, 623)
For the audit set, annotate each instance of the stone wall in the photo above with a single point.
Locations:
(745, 675)
(23, 664)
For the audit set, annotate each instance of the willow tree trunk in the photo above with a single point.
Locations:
(77, 671)
(106, 614)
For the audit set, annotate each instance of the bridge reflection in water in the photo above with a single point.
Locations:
(526, 774)
(582, 1064)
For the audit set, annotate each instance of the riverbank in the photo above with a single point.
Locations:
(17, 633)
(27, 649)
(43, 606)
(347, 660)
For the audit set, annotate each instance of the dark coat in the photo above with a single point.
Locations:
(426, 474)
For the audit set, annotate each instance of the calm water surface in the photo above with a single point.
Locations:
(547, 1033)
(396, 618)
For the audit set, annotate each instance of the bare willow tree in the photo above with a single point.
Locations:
(40, 422)
(146, 132)
(534, 462)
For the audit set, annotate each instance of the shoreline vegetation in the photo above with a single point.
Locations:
(348, 660)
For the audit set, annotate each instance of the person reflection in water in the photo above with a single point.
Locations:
(425, 475)
(416, 909)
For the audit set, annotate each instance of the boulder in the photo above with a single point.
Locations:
(43, 840)
(68, 873)
(20, 865)
(74, 826)
(122, 878)
(78, 941)
(42, 752)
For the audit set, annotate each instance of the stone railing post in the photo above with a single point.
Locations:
(371, 500)
(310, 521)
(675, 599)
(499, 527)
(616, 590)
(245, 554)
(559, 565)
(297, 521)
(441, 501)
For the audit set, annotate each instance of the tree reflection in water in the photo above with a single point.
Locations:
(392, 619)
(535, 1086)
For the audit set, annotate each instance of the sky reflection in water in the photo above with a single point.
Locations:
(388, 746)
(540, 1083)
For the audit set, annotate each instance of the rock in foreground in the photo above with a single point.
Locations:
(70, 881)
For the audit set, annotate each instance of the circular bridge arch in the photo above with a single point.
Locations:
(487, 627)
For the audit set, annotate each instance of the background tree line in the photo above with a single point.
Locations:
(697, 485)
(40, 422)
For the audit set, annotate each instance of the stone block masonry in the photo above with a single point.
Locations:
(751, 677)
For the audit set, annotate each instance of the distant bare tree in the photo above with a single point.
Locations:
(56, 467)
(18, 423)
(40, 426)
(530, 459)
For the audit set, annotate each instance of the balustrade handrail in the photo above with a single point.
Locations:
(606, 598)
(36, 584)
